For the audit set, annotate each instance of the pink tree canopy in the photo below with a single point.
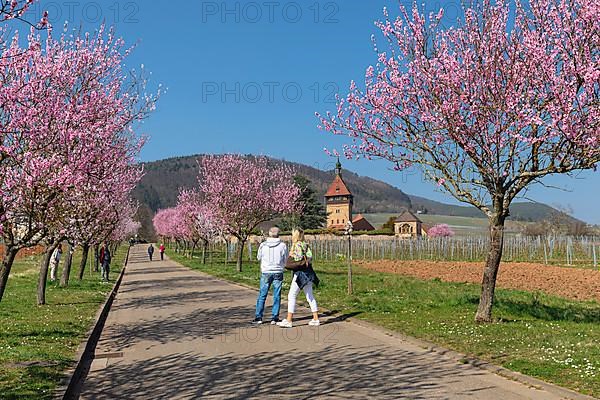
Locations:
(245, 191)
(192, 220)
(66, 136)
(198, 216)
(485, 108)
(169, 224)
(440, 230)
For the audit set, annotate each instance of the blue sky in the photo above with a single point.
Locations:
(247, 77)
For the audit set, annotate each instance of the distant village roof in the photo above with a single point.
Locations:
(408, 216)
(338, 188)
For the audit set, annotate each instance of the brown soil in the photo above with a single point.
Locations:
(25, 252)
(577, 284)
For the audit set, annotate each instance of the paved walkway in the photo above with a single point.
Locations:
(174, 333)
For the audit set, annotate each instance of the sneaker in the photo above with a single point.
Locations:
(274, 321)
(284, 324)
(314, 322)
(257, 321)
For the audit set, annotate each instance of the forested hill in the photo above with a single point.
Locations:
(160, 185)
(163, 179)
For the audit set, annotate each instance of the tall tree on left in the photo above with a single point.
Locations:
(67, 111)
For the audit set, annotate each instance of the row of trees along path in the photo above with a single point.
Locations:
(234, 195)
(68, 148)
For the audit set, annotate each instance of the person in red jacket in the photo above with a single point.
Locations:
(162, 251)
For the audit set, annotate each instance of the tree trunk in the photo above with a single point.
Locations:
(490, 273)
(240, 254)
(10, 253)
(96, 257)
(43, 278)
(204, 247)
(194, 243)
(64, 279)
(350, 288)
(84, 257)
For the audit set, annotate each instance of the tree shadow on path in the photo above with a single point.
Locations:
(335, 372)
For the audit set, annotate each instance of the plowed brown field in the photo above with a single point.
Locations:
(571, 283)
(25, 252)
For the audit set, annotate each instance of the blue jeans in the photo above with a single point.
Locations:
(266, 280)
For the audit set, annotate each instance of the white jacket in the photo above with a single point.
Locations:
(272, 254)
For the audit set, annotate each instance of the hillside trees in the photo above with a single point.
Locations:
(486, 108)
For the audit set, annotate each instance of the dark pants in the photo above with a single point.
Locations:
(150, 255)
(105, 271)
(162, 255)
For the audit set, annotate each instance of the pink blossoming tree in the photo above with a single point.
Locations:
(169, 225)
(485, 108)
(440, 230)
(245, 191)
(65, 132)
(199, 219)
(16, 10)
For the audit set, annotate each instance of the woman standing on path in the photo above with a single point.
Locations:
(303, 279)
(161, 249)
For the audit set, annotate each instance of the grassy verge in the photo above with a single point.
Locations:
(38, 343)
(547, 337)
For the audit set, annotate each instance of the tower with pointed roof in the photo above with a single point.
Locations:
(338, 201)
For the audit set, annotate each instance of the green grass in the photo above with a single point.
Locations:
(38, 343)
(547, 337)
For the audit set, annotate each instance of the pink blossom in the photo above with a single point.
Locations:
(245, 191)
(440, 230)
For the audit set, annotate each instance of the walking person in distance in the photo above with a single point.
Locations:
(150, 251)
(106, 260)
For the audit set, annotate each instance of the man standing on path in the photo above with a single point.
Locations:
(272, 255)
(106, 259)
(150, 251)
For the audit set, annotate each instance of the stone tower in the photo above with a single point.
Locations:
(338, 201)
